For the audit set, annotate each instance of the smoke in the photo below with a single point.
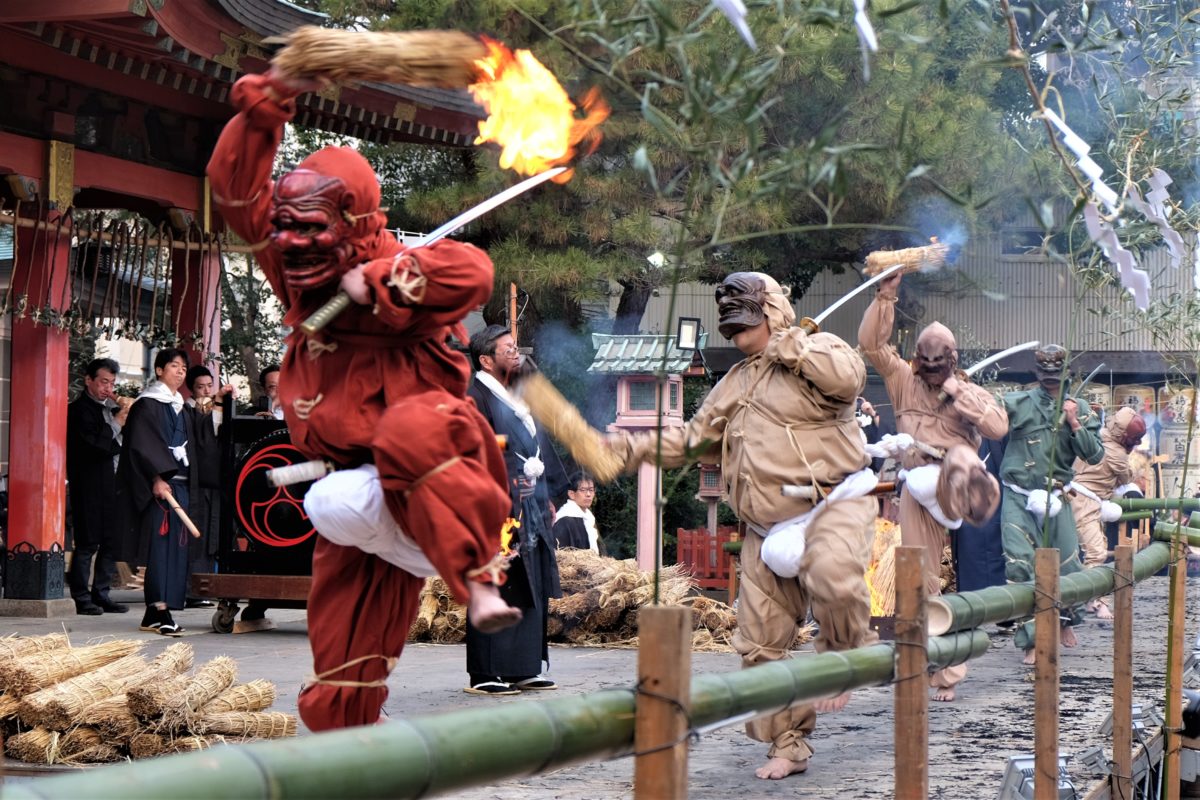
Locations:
(564, 356)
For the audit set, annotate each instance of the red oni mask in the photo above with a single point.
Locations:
(326, 218)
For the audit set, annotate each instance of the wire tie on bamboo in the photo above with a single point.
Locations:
(692, 734)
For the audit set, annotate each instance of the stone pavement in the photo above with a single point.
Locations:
(969, 739)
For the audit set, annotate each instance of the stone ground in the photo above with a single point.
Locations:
(970, 739)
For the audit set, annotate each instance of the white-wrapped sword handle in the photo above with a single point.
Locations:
(299, 473)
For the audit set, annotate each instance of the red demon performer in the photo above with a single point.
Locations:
(420, 485)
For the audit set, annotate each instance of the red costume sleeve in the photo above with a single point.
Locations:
(424, 290)
(239, 171)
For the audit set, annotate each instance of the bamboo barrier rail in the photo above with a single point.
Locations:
(428, 755)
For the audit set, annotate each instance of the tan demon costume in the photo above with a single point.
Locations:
(783, 416)
(959, 487)
(1096, 483)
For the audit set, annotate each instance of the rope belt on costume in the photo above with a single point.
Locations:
(322, 678)
(1109, 511)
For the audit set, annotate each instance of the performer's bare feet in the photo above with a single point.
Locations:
(487, 611)
(1030, 658)
(1103, 611)
(943, 694)
(1067, 636)
(779, 768)
(831, 704)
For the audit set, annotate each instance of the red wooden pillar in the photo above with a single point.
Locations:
(196, 301)
(34, 570)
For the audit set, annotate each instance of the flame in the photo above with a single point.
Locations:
(529, 114)
(506, 536)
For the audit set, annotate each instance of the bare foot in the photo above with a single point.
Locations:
(1030, 658)
(487, 612)
(1067, 636)
(943, 694)
(831, 704)
(1103, 611)
(779, 768)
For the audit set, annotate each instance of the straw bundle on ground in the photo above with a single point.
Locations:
(252, 724)
(86, 745)
(57, 707)
(948, 579)
(149, 745)
(111, 717)
(150, 700)
(177, 658)
(209, 681)
(8, 706)
(253, 696)
(914, 259)
(29, 673)
(426, 612)
(17, 646)
(443, 59)
(566, 425)
(36, 746)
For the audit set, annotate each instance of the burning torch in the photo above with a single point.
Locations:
(530, 116)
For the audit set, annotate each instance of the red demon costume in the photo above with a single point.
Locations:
(379, 385)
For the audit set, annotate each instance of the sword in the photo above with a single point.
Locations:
(978, 365)
(813, 324)
(341, 301)
(1063, 417)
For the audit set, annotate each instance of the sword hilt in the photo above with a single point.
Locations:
(326, 313)
(809, 326)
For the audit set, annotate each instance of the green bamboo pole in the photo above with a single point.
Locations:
(956, 612)
(1131, 516)
(1165, 531)
(424, 756)
(1158, 503)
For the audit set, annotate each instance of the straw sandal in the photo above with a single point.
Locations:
(537, 683)
(171, 628)
(496, 688)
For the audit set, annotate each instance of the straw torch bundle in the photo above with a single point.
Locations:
(564, 423)
(26, 675)
(443, 59)
(915, 259)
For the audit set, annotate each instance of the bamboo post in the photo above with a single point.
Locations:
(1172, 739)
(912, 687)
(1121, 781)
(661, 715)
(1045, 687)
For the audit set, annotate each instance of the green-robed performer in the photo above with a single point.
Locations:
(1033, 420)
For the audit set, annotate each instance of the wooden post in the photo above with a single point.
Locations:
(512, 311)
(1121, 782)
(1176, 645)
(661, 721)
(1045, 681)
(912, 681)
(734, 561)
(1122, 533)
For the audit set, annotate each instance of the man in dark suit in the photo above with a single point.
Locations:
(94, 423)
(511, 660)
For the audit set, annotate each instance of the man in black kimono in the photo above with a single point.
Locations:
(94, 422)
(511, 660)
(205, 409)
(158, 455)
(575, 524)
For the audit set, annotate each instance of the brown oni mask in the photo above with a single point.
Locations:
(937, 355)
(1134, 431)
(312, 233)
(740, 300)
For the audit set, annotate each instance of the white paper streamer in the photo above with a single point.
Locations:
(1155, 210)
(1134, 280)
(1086, 165)
(735, 12)
(867, 42)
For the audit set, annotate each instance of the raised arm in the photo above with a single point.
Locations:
(876, 329)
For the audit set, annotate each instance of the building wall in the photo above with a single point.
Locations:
(991, 301)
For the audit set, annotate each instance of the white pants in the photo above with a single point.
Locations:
(348, 509)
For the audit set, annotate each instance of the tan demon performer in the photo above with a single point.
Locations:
(946, 414)
(784, 415)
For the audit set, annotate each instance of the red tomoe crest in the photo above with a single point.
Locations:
(273, 516)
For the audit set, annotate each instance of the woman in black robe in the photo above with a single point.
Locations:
(156, 459)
